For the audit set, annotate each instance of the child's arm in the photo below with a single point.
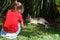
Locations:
(22, 25)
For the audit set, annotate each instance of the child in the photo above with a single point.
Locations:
(13, 22)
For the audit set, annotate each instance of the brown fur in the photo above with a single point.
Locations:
(39, 20)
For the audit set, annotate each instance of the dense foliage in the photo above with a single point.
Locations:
(35, 8)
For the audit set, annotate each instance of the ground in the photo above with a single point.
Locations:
(36, 32)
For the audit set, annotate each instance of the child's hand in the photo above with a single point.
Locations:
(23, 26)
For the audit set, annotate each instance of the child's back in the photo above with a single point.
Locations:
(11, 22)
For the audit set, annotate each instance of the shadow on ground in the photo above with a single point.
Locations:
(52, 30)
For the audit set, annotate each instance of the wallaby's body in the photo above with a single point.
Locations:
(38, 21)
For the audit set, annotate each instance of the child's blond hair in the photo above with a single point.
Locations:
(18, 6)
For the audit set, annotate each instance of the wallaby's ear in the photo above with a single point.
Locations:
(29, 16)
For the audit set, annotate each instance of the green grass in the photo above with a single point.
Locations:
(36, 32)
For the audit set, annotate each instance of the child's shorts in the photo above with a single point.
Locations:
(10, 35)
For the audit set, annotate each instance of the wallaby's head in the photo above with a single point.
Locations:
(28, 18)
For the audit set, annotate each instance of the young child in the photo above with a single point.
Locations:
(13, 22)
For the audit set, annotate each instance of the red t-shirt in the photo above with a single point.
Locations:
(11, 23)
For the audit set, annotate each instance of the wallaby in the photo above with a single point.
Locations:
(39, 20)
